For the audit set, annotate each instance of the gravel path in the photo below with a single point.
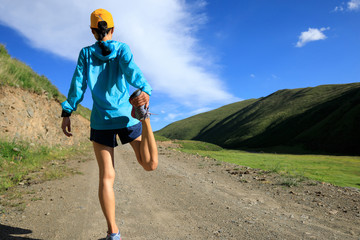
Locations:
(187, 197)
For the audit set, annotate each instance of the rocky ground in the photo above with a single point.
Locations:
(34, 118)
(187, 197)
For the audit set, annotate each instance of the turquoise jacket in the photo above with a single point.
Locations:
(108, 78)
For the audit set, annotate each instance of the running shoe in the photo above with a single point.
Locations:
(141, 112)
(113, 236)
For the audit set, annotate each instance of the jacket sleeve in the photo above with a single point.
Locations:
(132, 72)
(78, 85)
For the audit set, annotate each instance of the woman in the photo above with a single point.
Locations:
(107, 68)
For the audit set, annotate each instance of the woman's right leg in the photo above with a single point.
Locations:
(105, 159)
(145, 147)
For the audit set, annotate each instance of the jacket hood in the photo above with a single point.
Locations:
(112, 45)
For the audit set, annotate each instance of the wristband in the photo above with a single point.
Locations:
(65, 114)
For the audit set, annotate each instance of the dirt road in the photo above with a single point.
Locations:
(187, 197)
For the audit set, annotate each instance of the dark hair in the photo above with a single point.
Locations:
(102, 31)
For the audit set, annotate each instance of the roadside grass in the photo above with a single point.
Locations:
(197, 145)
(21, 163)
(161, 138)
(338, 170)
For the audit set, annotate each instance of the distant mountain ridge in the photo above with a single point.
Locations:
(323, 119)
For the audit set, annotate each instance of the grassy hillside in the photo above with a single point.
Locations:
(320, 119)
(194, 126)
(17, 74)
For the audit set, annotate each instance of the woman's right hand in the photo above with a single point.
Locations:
(142, 99)
(66, 126)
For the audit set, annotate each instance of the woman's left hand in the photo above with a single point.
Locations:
(140, 100)
(66, 126)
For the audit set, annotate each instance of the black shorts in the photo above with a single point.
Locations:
(108, 137)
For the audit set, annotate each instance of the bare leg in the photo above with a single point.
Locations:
(105, 159)
(145, 147)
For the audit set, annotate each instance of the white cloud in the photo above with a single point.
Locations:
(274, 76)
(200, 110)
(200, 3)
(313, 34)
(177, 114)
(161, 34)
(339, 9)
(172, 116)
(353, 5)
(221, 35)
(252, 75)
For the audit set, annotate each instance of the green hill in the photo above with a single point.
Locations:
(323, 119)
(198, 124)
(14, 73)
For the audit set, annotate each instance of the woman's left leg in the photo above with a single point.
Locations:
(105, 159)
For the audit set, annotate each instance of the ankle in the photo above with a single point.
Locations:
(146, 121)
(113, 229)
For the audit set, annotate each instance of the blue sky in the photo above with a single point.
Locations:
(197, 55)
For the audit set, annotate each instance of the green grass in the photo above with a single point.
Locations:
(197, 145)
(291, 180)
(17, 74)
(19, 160)
(338, 170)
(161, 138)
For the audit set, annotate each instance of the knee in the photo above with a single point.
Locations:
(151, 166)
(107, 178)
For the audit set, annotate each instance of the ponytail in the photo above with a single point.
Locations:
(102, 31)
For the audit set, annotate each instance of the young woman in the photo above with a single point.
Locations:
(107, 68)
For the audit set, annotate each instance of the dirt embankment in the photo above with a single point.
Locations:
(36, 119)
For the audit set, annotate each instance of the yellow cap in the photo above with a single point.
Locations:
(101, 15)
